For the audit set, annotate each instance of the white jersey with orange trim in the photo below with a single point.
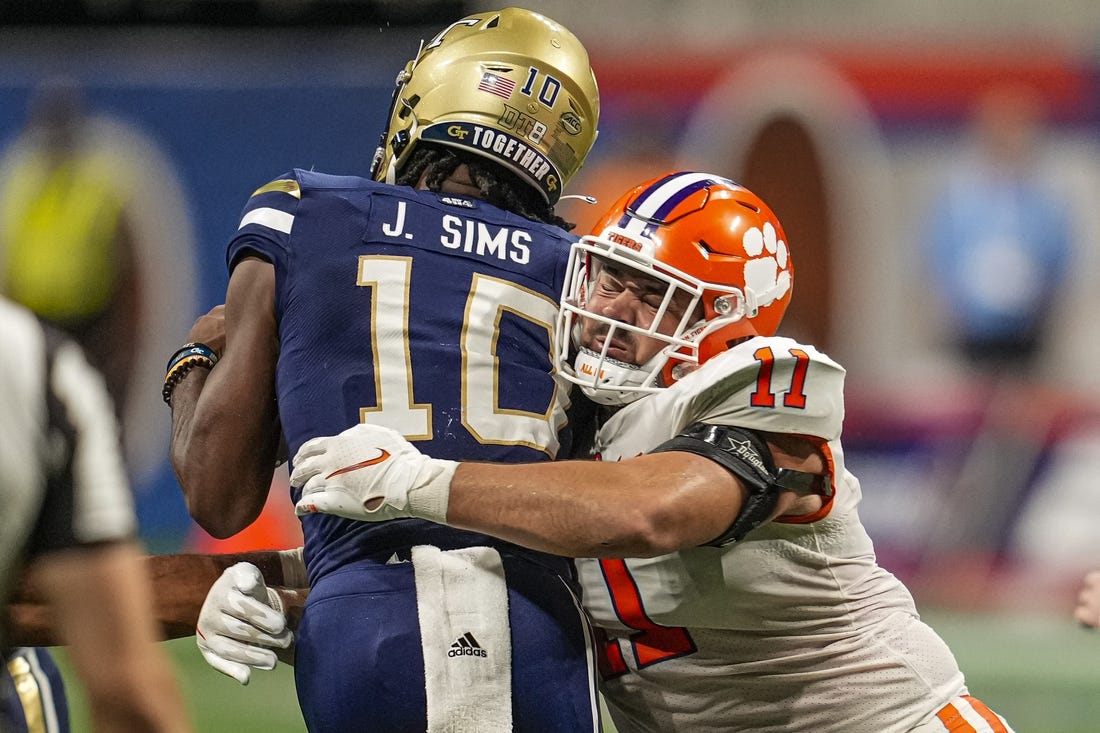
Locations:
(796, 627)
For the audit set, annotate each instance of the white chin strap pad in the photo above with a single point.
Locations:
(601, 377)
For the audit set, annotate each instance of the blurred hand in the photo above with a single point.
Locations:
(1088, 601)
(241, 622)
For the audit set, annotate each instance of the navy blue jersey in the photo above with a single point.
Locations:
(427, 313)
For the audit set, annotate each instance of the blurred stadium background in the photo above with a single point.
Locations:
(845, 115)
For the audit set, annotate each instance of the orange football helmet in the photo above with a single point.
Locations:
(694, 232)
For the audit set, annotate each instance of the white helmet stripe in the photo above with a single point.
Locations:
(658, 200)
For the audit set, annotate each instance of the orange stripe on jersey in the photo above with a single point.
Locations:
(953, 720)
(988, 715)
(654, 643)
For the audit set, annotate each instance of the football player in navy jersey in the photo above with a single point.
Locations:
(423, 299)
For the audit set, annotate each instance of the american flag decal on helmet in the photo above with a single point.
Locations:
(495, 84)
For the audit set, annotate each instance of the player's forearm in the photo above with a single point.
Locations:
(180, 584)
(223, 453)
(644, 507)
(294, 604)
(225, 426)
(29, 624)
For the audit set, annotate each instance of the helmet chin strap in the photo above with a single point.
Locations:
(403, 77)
(391, 164)
(754, 300)
(377, 159)
(613, 374)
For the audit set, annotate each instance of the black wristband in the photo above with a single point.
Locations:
(192, 349)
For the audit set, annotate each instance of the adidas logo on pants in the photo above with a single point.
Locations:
(466, 646)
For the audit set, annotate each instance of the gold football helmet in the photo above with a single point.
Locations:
(510, 85)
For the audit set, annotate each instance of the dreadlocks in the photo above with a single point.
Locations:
(498, 185)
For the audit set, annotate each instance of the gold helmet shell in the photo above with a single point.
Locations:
(510, 85)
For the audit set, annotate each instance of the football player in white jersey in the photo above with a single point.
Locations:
(729, 570)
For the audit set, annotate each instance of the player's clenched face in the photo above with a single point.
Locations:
(630, 297)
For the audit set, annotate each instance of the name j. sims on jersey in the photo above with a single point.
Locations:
(468, 235)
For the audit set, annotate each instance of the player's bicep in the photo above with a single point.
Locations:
(251, 326)
(707, 495)
(224, 447)
(797, 452)
(246, 373)
(759, 490)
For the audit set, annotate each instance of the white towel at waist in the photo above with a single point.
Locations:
(462, 604)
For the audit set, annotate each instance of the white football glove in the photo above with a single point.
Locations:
(371, 473)
(241, 622)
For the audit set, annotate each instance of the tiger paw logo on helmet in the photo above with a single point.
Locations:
(767, 272)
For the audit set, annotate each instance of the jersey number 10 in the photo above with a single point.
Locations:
(489, 299)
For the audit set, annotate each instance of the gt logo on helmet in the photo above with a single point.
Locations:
(508, 149)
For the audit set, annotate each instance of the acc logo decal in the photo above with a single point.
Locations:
(571, 121)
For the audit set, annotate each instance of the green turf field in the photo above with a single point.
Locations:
(1042, 672)
(217, 703)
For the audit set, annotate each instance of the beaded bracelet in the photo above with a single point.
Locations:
(179, 371)
(183, 361)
